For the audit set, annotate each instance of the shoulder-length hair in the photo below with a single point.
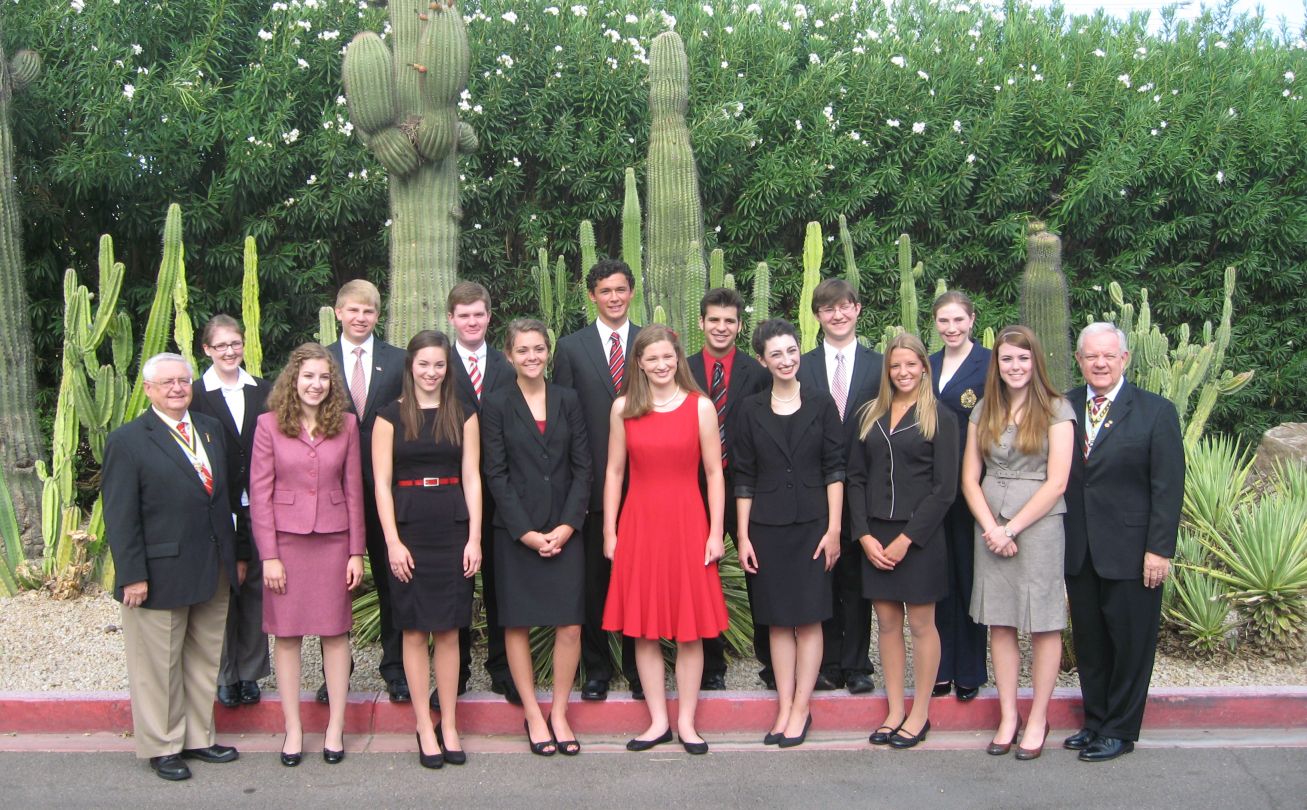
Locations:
(449, 419)
(927, 415)
(285, 399)
(1032, 431)
(635, 386)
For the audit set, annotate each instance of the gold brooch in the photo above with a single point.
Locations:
(968, 399)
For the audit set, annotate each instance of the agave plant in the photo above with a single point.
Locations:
(1290, 480)
(1263, 561)
(1216, 470)
(1196, 605)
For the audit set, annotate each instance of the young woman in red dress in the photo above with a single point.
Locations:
(663, 546)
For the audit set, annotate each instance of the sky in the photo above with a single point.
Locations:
(1291, 10)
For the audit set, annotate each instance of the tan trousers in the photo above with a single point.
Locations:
(172, 671)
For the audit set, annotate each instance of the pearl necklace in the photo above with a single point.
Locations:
(785, 401)
(668, 401)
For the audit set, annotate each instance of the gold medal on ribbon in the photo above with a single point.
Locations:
(968, 399)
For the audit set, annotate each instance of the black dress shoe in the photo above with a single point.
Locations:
(773, 737)
(858, 683)
(902, 739)
(637, 688)
(333, 757)
(229, 695)
(1104, 748)
(967, 693)
(1080, 740)
(638, 744)
(291, 760)
(941, 689)
(432, 761)
(249, 692)
(881, 735)
(508, 689)
(398, 691)
(696, 748)
(452, 756)
(214, 753)
(716, 682)
(826, 681)
(594, 689)
(321, 695)
(791, 742)
(170, 767)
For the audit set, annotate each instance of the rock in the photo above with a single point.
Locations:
(1285, 442)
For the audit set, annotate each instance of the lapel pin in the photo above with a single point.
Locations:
(968, 399)
(1107, 424)
(206, 437)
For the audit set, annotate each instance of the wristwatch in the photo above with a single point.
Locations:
(1007, 531)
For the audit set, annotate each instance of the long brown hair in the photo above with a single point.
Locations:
(449, 419)
(1032, 430)
(635, 386)
(285, 400)
(927, 415)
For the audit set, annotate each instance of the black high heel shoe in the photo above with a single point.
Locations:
(882, 734)
(541, 749)
(333, 757)
(903, 739)
(290, 760)
(432, 761)
(452, 756)
(773, 737)
(791, 742)
(568, 748)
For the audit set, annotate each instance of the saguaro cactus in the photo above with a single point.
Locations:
(21, 444)
(674, 208)
(813, 249)
(632, 248)
(1044, 304)
(404, 105)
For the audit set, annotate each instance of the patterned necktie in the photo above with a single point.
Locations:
(206, 477)
(718, 392)
(839, 385)
(615, 364)
(358, 383)
(1097, 410)
(474, 374)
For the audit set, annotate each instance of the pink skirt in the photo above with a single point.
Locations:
(316, 601)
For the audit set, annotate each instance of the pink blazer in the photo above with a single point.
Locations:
(305, 486)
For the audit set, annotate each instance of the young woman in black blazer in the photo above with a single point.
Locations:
(902, 479)
(537, 465)
(789, 485)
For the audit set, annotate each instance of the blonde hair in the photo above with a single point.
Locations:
(1032, 430)
(927, 412)
(285, 399)
(635, 385)
(361, 291)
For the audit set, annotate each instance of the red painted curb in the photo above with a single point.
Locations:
(485, 713)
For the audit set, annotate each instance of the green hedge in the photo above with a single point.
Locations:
(1159, 159)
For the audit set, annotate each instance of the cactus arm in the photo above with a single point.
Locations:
(812, 253)
(632, 247)
(761, 295)
(326, 326)
(851, 273)
(251, 313)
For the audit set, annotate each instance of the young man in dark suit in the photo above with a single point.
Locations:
(850, 373)
(234, 397)
(482, 373)
(169, 523)
(1123, 502)
(593, 363)
(727, 376)
(373, 373)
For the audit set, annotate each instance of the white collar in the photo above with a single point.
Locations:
(623, 332)
(465, 353)
(348, 346)
(1111, 395)
(169, 421)
(212, 382)
(832, 352)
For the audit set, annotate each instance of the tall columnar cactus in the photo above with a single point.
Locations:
(21, 446)
(326, 326)
(674, 208)
(761, 296)
(404, 105)
(692, 289)
(812, 252)
(909, 309)
(717, 269)
(851, 273)
(1045, 307)
(934, 342)
(251, 313)
(632, 248)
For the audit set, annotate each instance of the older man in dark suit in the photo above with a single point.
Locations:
(593, 363)
(1123, 511)
(850, 373)
(170, 527)
(374, 378)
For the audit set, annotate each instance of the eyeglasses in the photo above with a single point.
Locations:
(844, 309)
(184, 382)
(231, 346)
(1094, 358)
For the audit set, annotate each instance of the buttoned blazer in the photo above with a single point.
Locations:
(1126, 498)
(388, 365)
(161, 525)
(970, 377)
(298, 487)
(240, 442)
(787, 478)
(863, 387)
(495, 378)
(902, 475)
(538, 481)
(581, 363)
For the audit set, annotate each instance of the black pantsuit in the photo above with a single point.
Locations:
(961, 640)
(1122, 501)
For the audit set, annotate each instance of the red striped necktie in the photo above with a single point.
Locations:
(615, 361)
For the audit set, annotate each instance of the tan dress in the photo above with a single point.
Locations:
(1025, 591)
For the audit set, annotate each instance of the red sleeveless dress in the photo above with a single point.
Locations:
(660, 587)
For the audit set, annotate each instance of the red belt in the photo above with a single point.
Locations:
(429, 482)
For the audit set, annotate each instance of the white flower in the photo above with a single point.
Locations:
(814, 59)
(669, 21)
(313, 178)
(611, 62)
(1124, 78)
(918, 127)
(707, 9)
(388, 222)
(631, 19)
(509, 17)
(477, 109)
(1231, 112)
(137, 49)
(328, 35)
(899, 61)
(305, 24)
(579, 11)
(78, 5)
(1099, 52)
(613, 35)
(1220, 43)
(340, 100)
(855, 135)
(800, 11)
(1122, 192)
(129, 91)
(957, 125)
(290, 137)
(505, 60)
(923, 74)
(971, 158)
(551, 10)
(1285, 92)
(1288, 76)
(1011, 81)
(1098, 288)
(893, 122)
(753, 8)
(798, 124)
(725, 64)
(1141, 51)
(785, 25)
(265, 35)
(1039, 77)
(303, 64)
(1220, 177)
(1162, 125)
(1152, 132)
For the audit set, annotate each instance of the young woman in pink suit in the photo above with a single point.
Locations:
(306, 509)
(426, 457)
(663, 547)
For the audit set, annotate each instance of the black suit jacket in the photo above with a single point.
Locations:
(581, 363)
(748, 377)
(538, 481)
(388, 364)
(863, 387)
(1125, 499)
(162, 527)
(965, 388)
(787, 478)
(496, 376)
(240, 442)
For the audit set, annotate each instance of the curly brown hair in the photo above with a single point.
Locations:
(285, 401)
